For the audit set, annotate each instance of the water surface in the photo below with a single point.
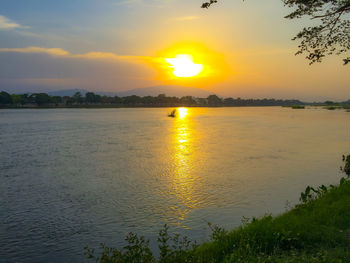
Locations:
(76, 177)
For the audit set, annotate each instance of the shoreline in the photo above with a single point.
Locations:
(116, 106)
(306, 233)
(317, 229)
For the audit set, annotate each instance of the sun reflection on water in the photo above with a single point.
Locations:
(185, 182)
(183, 112)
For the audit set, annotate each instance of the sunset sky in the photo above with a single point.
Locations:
(114, 45)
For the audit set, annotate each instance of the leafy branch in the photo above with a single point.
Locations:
(330, 36)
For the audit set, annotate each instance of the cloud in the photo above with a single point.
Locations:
(37, 68)
(58, 52)
(6, 23)
(186, 18)
(50, 51)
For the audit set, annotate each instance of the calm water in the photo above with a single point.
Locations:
(76, 177)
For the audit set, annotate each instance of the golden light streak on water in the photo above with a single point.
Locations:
(185, 184)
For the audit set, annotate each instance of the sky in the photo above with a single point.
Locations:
(116, 45)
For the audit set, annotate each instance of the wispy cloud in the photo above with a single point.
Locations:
(6, 23)
(58, 52)
(50, 51)
(46, 68)
(186, 18)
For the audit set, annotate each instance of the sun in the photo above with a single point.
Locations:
(183, 66)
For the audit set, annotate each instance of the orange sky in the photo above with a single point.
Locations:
(112, 45)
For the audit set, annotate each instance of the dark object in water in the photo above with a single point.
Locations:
(297, 107)
(172, 113)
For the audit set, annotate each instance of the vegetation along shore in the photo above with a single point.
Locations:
(92, 100)
(316, 230)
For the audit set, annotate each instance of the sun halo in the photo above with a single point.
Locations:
(183, 66)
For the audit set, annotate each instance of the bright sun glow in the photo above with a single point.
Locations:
(184, 67)
(182, 112)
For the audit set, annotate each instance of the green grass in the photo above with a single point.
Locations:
(316, 230)
(316, 227)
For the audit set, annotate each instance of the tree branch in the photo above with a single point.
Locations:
(341, 10)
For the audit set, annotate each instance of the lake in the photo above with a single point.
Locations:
(77, 177)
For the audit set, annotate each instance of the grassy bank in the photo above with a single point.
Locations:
(316, 230)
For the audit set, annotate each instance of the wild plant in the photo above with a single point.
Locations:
(137, 251)
(312, 193)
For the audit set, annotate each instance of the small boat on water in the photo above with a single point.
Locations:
(172, 113)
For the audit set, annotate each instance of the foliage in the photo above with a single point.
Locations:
(346, 168)
(94, 100)
(331, 34)
(172, 249)
(331, 108)
(78, 97)
(208, 4)
(91, 97)
(41, 98)
(316, 230)
(5, 98)
(312, 194)
(298, 107)
(136, 251)
(16, 99)
(214, 100)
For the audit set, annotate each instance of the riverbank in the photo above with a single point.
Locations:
(114, 106)
(316, 230)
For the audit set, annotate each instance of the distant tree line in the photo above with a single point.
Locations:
(94, 100)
